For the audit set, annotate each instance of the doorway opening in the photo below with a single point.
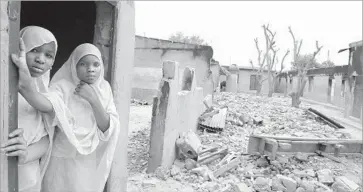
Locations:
(71, 22)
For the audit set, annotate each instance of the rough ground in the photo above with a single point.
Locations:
(278, 119)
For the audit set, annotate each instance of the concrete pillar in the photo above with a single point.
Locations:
(331, 86)
(121, 78)
(163, 113)
(176, 109)
(311, 83)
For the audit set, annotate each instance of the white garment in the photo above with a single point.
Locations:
(82, 154)
(29, 118)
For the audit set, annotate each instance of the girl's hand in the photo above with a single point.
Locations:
(16, 146)
(86, 92)
(20, 61)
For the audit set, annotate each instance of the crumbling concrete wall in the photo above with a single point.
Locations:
(215, 68)
(176, 109)
(149, 55)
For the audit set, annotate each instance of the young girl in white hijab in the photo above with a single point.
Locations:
(87, 124)
(31, 141)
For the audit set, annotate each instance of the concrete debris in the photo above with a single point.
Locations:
(188, 145)
(241, 187)
(277, 185)
(190, 164)
(253, 173)
(343, 184)
(262, 184)
(139, 102)
(303, 157)
(325, 176)
(289, 183)
(175, 170)
(162, 173)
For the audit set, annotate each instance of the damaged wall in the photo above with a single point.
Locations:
(176, 109)
(149, 55)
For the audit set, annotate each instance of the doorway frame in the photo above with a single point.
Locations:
(119, 80)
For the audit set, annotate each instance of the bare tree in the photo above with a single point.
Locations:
(274, 74)
(301, 70)
(262, 62)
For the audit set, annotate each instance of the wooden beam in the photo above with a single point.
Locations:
(9, 89)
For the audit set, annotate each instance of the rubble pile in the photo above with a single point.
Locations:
(274, 116)
(139, 102)
(223, 164)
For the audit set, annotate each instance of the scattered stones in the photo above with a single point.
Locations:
(343, 184)
(262, 162)
(277, 185)
(241, 187)
(253, 173)
(212, 186)
(175, 170)
(261, 184)
(304, 173)
(307, 185)
(303, 157)
(300, 189)
(132, 188)
(162, 172)
(190, 164)
(289, 183)
(282, 159)
(179, 163)
(148, 183)
(325, 176)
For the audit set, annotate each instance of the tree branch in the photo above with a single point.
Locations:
(295, 46)
(253, 67)
(298, 51)
(283, 59)
(258, 51)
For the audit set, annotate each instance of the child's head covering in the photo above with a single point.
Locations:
(34, 36)
(68, 70)
(29, 118)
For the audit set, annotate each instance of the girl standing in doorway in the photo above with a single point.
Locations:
(31, 141)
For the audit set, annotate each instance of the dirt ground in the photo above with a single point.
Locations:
(281, 120)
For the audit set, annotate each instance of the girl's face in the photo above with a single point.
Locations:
(88, 69)
(40, 59)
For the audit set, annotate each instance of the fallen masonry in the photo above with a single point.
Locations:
(303, 161)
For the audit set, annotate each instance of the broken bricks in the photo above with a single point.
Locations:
(188, 145)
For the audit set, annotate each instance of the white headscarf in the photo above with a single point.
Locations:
(74, 115)
(34, 36)
(30, 119)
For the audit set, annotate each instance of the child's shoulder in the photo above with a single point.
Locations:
(62, 84)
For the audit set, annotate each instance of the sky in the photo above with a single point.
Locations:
(230, 27)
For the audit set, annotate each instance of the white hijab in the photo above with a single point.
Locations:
(74, 115)
(28, 117)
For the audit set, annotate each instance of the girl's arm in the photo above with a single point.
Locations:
(34, 98)
(102, 117)
(37, 150)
